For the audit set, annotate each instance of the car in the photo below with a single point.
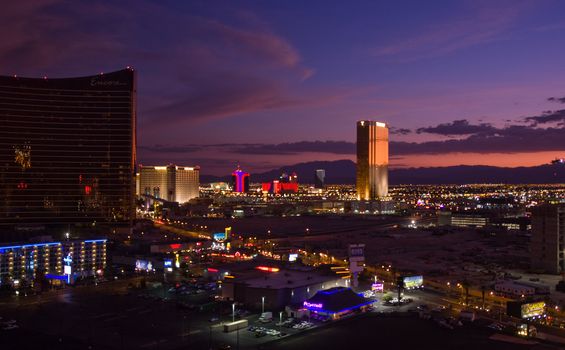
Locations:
(10, 327)
(214, 319)
(273, 333)
(496, 326)
(260, 334)
(10, 322)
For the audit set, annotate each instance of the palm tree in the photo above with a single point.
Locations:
(465, 285)
(400, 287)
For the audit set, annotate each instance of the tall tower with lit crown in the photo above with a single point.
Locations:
(372, 160)
(240, 180)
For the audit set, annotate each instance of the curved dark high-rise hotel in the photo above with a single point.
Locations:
(67, 153)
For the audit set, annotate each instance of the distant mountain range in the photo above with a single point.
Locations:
(343, 172)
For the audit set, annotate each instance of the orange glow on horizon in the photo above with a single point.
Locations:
(509, 160)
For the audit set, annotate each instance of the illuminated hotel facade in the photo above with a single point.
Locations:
(67, 153)
(372, 160)
(171, 183)
(66, 260)
(240, 181)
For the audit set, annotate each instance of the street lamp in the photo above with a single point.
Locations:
(262, 305)
(233, 312)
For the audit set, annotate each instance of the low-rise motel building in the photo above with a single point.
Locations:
(21, 265)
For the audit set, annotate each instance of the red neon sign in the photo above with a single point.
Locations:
(211, 269)
(175, 246)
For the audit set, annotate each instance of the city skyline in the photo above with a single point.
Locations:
(282, 175)
(261, 86)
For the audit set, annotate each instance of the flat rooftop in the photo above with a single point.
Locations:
(287, 279)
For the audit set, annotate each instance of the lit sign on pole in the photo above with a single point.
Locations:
(68, 260)
(168, 263)
(67, 269)
(292, 257)
(356, 250)
(377, 287)
(219, 236)
(313, 305)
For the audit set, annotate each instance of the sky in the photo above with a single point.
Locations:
(272, 83)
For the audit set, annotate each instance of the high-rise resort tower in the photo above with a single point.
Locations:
(67, 154)
(372, 160)
(240, 180)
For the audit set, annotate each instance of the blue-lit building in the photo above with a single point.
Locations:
(22, 264)
(337, 302)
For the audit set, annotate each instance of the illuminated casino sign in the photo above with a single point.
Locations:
(98, 81)
(219, 236)
(313, 305)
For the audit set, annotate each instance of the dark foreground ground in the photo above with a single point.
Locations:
(393, 332)
(373, 331)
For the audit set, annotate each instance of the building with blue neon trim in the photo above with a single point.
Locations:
(22, 264)
(337, 302)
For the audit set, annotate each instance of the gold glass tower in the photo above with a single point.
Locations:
(372, 160)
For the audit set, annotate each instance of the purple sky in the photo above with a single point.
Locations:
(269, 83)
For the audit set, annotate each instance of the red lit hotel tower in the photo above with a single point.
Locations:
(372, 160)
(240, 181)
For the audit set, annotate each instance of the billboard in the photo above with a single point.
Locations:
(143, 265)
(533, 309)
(413, 282)
(525, 310)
